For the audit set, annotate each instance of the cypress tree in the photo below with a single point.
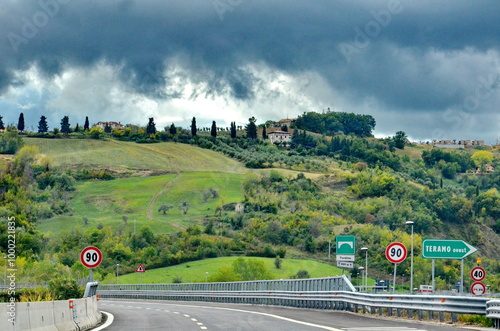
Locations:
(65, 126)
(20, 123)
(2, 126)
(213, 130)
(233, 129)
(86, 125)
(193, 127)
(264, 133)
(251, 128)
(151, 128)
(172, 130)
(42, 125)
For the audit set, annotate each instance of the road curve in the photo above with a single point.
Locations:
(196, 316)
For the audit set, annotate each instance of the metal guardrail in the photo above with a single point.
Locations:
(341, 283)
(493, 312)
(310, 293)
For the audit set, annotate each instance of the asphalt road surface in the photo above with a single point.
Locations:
(196, 316)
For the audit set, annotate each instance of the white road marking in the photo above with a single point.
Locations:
(109, 321)
(193, 319)
(382, 328)
(203, 327)
(186, 315)
(268, 315)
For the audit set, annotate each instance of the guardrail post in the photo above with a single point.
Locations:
(410, 313)
(454, 317)
(420, 314)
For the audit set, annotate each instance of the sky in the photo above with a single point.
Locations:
(428, 68)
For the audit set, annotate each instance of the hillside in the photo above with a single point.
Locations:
(296, 199)
(128, 158)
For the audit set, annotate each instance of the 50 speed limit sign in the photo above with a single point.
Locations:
(91, 257)
(396, 252)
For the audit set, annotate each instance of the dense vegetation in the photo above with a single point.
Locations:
(344, 183)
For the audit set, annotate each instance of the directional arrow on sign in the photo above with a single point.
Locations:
(446, 249)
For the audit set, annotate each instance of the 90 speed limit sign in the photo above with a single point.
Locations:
(396, 252)
(91, 257)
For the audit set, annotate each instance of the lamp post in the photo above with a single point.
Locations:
(117, 265)
(206, 277)
(361, 269)
(411, 268)
(365, 249)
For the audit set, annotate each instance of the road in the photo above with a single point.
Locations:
(196, 316)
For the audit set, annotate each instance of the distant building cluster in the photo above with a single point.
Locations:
(112, 125)
(454, 143)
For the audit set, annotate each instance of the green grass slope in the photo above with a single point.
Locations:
(138, 198)
(196, 271)
(126, 156)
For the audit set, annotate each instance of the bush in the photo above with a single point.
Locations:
(65, 288)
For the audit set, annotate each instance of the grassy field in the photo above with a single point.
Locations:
(138, 198)
(196, 271)
(120, 155)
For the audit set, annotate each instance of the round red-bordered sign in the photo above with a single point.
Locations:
(477, 274)
(396, 252)
(91, 257)
(478, 288)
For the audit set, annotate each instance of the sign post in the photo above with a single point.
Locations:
(91, 257)
(395, 253)
(141, 270)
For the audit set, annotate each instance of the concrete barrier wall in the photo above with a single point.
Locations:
(50, 315)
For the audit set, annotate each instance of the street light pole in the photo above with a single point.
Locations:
(411, 268)
(117, 265)
(361, 269)
(365, 249)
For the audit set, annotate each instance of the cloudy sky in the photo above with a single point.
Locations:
(429, 68)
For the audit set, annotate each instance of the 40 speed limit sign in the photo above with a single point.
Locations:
(91, 257)
(396, 252)
(477, 274)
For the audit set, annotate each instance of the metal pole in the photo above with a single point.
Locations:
(329, 248)
(366, 269)
(411, 268)
(462, 277)
(433, 283)
(394, 279)
(117, 265)
(91, 275)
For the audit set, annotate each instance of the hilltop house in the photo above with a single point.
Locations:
(487, 169)
(112, 125)
(281, 137)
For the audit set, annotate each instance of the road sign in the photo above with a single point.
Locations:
(396, 252)
(91, 257)
(346, 245)
(477, 274)
(425, 289)
(478, 288)
(446, 249)
(140, 268)
(342, 264)
(346, 258)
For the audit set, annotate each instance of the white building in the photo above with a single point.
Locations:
(281, 137)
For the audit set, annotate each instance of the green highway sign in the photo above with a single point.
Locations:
(446, 249)
(346, 245)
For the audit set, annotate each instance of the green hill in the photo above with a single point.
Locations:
(138, 199)
(196, 271)
(132, 158)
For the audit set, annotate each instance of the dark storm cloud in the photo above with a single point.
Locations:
(395, 52)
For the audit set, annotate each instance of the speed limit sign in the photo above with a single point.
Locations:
(477, 274)
(91, 257)
(396, 252)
